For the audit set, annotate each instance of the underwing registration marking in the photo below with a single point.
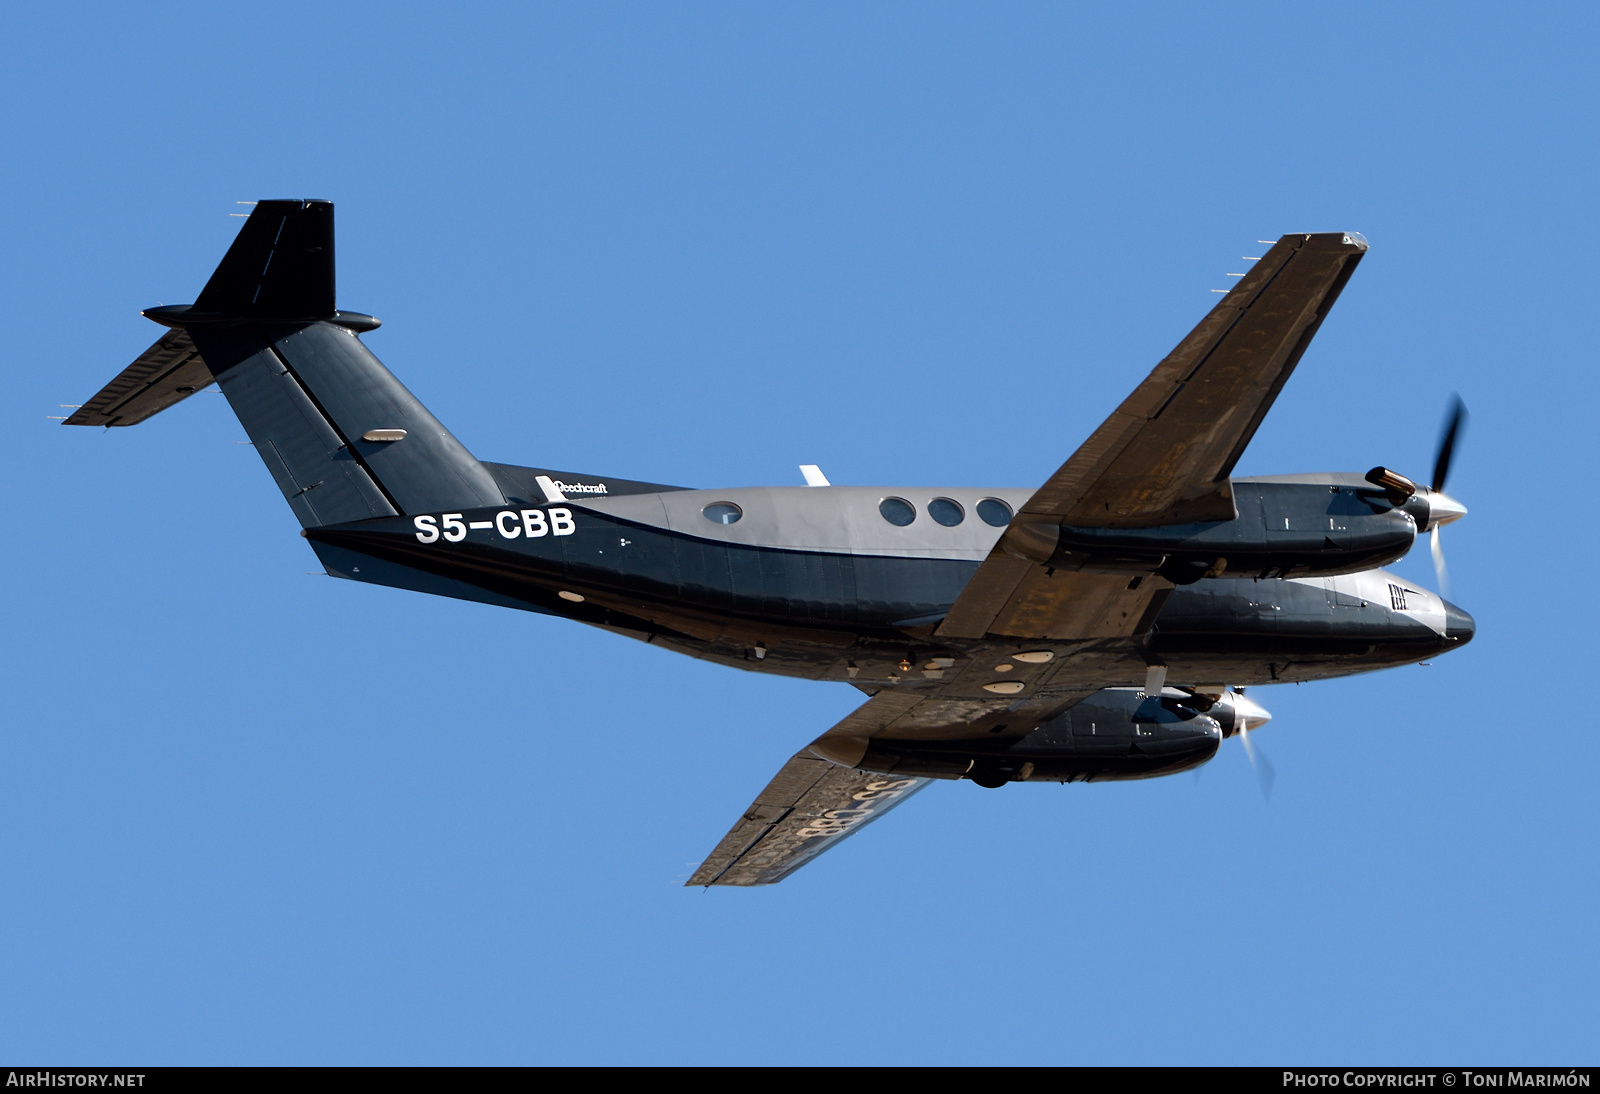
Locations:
(839, 822)
(510, 523)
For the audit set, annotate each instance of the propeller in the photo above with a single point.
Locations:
(1440, 570)
(1249, 715)
(1455, 419)
(1259, 763)
(1447, 442)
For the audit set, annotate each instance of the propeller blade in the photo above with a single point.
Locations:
(1438, 564)
(1260, 764)
(1456, 418)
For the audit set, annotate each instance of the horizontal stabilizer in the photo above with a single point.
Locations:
(166, 373)
(279, 267)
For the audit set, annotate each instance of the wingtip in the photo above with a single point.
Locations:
(1344, 239)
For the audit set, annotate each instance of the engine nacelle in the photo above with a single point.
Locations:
(1116, 733)
(1306, 525)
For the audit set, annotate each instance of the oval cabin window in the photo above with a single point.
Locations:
(946, 511)
(722, 512)
(897, 511)
(994, 512)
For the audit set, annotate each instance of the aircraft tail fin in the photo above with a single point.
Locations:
(279, 266)
(342, 437)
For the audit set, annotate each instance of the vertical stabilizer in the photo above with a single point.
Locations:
(309, 395)
(279, 267)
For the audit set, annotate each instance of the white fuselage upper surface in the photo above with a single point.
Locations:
(830, 519)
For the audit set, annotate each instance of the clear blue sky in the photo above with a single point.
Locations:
(250, 815)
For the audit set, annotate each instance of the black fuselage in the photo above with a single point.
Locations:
(864, 617)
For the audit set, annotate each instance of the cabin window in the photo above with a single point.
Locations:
(994, 512)
(946, 511)
(722, 512)
(897, 511)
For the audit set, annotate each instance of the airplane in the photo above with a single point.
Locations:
(1103, 626)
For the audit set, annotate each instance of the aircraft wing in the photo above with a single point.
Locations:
(812, 804)
(809, 806)
(1164, 455)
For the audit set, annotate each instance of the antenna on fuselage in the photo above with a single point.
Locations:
(552, 492)
(814, 475)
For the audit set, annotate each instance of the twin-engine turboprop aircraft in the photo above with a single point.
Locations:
(1102, 626)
